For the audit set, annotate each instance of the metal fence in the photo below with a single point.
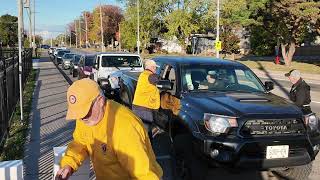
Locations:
(9, 83)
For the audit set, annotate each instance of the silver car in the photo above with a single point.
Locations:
(66, 60)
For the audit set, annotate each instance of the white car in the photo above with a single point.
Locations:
(106, 64)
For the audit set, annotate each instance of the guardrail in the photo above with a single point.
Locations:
(9, 83)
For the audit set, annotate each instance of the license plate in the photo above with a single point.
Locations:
(274, 152)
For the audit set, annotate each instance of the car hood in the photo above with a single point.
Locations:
(249, 105)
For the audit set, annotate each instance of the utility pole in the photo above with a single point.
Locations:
(86, 21)
(138, 28)
(65, 38)
(80, 32)
(119, 37)
(101, 27)
(20, 30)
(75, 29)
(51, 41)
(34, 24)
(27, 6)
(218, 27)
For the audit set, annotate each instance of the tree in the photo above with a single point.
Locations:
(8, 30)
(290, 21)
(111, 16)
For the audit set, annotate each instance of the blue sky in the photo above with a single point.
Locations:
(52, 16)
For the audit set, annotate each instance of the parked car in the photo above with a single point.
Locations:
(66, 59)
(85, 66)
(107, 63)
(237, 123)
(45, 46)
(58, 57)
(50, 51)
(74, 65)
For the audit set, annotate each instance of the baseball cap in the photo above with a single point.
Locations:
(150, 63)
(293, 73)
(80, 96)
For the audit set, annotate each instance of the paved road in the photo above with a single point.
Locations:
(281, 87)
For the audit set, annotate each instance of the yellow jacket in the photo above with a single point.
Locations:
(118, 145)
(146, 94)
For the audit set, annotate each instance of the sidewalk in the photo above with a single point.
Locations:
(278, 75)
(48, 127)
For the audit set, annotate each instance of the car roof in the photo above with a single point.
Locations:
(117, 53)
(196, 60)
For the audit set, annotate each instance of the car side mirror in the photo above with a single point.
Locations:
(269, 85)
(95, 65)
(164, 85)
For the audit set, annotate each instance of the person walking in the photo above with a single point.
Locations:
(110, 134)
(300, 91)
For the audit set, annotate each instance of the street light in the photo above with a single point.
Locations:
(218, 26)
(138, 27)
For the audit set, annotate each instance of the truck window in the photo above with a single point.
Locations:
(120, 61)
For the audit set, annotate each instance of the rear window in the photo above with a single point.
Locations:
(89, 61)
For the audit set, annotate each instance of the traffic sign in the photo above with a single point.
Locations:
(218, 45)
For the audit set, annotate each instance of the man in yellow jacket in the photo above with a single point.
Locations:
(147, 96)
(110, 134)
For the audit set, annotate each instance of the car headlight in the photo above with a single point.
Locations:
(312, 121)
(219, 124)
(75, 67)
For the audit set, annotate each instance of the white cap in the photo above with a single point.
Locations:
(150, 63)
(293, 73)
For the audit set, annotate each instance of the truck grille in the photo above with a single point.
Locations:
(272, 127)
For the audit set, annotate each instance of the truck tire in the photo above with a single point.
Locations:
(294, 173)
(188, 166)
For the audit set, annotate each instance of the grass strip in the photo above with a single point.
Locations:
(13, 147)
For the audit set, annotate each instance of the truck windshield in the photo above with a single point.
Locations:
(68, 56)
(120, 61)
(208, 77)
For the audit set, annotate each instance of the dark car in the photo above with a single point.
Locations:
(233, 122)
(45, 46)
(74, 65)
(58, 57)
(85, 66)
(66, 60)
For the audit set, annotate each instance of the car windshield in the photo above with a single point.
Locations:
(120, 61)
(61, 53)
(76, 59)
(68, 56)
(89, 61)
(208, 77)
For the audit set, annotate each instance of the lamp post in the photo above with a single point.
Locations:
(138, 28)
(20, 30)
(218, 26)
(101, 28)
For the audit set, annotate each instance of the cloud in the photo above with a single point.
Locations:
(48, 31)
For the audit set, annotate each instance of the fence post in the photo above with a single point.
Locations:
(12, 170)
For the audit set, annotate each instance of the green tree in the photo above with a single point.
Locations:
(290, 21)
(8, 30)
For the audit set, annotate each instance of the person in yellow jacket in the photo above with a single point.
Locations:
(147, 96)
(110, 134)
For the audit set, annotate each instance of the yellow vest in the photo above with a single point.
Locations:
(119, 147)
(146, 95)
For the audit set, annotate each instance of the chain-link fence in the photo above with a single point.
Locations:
(9, 83)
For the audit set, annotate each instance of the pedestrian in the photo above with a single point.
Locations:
(147, 96)
(110, 134)
(300, 91)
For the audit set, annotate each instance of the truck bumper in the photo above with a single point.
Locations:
(251, 153)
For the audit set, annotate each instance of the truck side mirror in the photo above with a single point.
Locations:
(95, 65)
(269, 85)
(164, 85)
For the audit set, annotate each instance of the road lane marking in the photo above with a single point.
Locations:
(315, 102)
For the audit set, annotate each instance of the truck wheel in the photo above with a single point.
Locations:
(295, 173)
(187, 165)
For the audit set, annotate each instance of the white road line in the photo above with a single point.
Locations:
(315, 102)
